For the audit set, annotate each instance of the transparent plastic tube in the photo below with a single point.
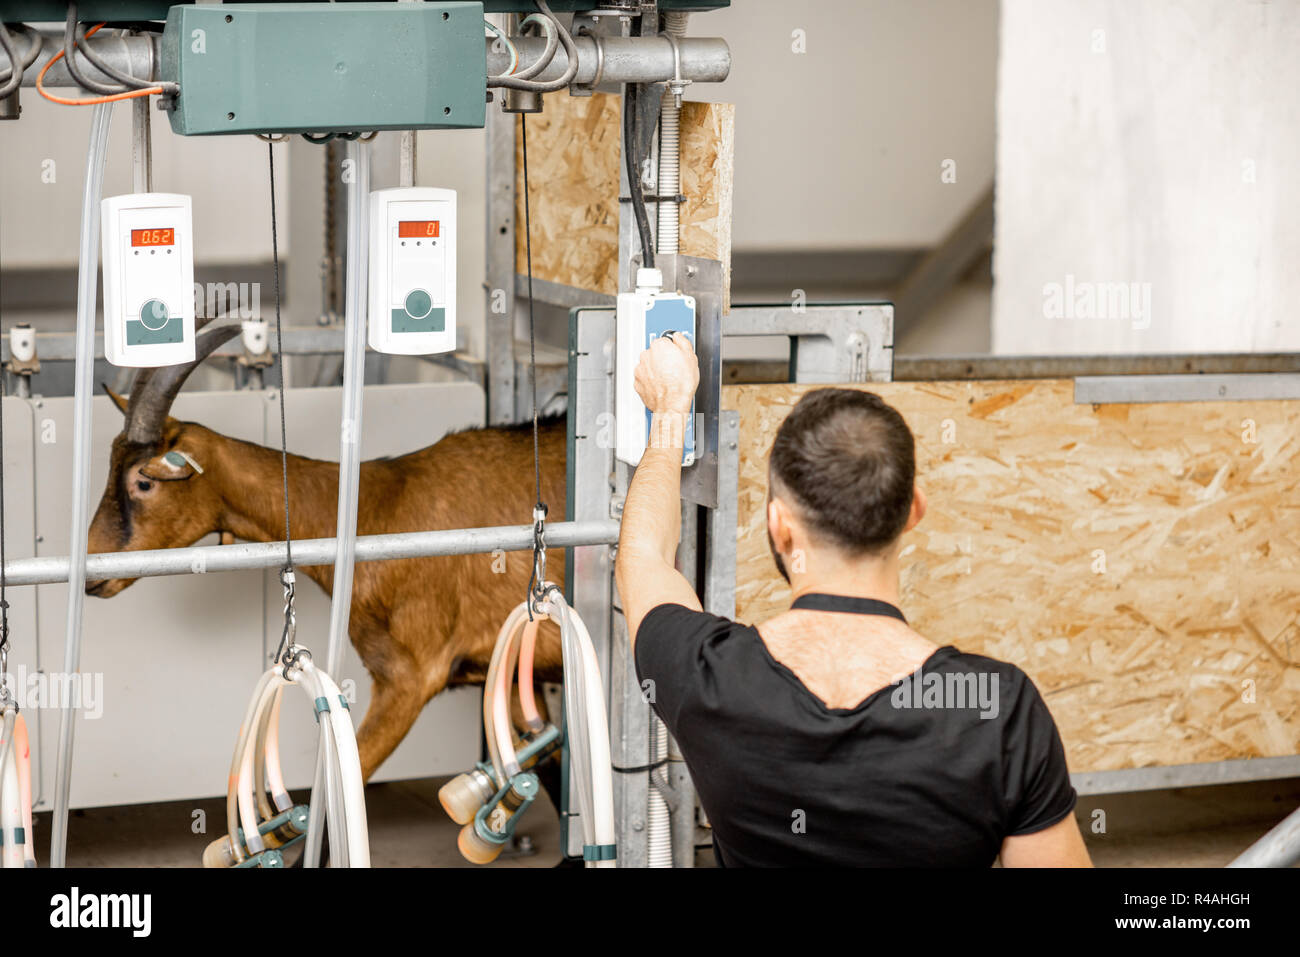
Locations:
(83, 389)
(354, 374)
(237, 762)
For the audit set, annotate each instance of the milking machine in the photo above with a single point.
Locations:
(261, 819)
(489, 799)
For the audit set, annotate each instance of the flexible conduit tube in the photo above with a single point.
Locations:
(659, 844)
(83, 389)
(670, 174)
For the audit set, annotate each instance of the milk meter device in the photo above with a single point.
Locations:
(642, 317)
(413, 271)
(146, 242)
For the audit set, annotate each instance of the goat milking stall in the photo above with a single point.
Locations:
(340, 541)
(431, 604)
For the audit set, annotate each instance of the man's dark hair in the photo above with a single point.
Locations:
(848, 461)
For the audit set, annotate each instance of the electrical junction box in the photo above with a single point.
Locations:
(642, 317)
(413, 271)
(148, 265)
(325, 67)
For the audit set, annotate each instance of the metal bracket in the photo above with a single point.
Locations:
(1185, 388)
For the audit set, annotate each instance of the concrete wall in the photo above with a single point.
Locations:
(1147, 155)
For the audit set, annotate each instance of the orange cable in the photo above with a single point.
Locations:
(131, 94)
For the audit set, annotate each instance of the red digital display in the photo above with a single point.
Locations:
(426, 229)
(153, 237)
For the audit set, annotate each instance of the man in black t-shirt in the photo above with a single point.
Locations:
(833, 734)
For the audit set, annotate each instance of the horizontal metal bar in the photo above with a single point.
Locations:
(1186, 388)
(951, 368)
(200, 559)
(1186, 775)
(298, 341)
(622, 59)
(558, 294)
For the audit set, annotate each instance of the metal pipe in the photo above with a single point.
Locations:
(199, 559)
(136, 55)
(83, 390)
(1280, 847)
(620, 60)
(623, 59)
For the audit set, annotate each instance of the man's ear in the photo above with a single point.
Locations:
(917, 513)
(118, 400)
(778, 525)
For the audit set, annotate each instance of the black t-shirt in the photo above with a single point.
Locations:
(913, 776)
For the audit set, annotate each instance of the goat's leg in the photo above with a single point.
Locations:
(395, 703)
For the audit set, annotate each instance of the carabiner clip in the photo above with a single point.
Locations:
(537, 584)
(288, 647)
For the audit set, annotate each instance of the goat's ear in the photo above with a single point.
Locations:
(170, 467)
(118, 400)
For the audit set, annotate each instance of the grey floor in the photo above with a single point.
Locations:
(1192, 827)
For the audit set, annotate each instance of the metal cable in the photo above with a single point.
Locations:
(13, 77)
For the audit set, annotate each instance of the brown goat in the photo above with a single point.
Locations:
(418, 624)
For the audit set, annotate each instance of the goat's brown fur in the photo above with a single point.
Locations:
(418, 624)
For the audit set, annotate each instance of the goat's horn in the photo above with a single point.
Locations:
(154, 390)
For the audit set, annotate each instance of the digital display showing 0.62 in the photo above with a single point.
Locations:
(153, 237)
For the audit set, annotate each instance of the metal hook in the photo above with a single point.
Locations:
(288, 647)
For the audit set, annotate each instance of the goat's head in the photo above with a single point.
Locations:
(155, 497)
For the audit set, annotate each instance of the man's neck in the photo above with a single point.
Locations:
(876, 579)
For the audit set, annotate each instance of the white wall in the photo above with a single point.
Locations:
(1152, 143)
(40, 219)
(841, 147)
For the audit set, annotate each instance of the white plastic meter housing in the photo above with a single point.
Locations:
(413, 271)
(148, 279)
(642, 317)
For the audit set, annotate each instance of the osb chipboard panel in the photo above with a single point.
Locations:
(574, 152)
(1140, 562)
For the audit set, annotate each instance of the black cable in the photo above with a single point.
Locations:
(532, 329)
(279, 359)
(134, 82)
(630, 98)
(69, 54)
(18, 65)
(532, 365)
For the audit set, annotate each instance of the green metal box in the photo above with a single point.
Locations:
(325, 68)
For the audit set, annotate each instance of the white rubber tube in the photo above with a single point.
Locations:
(83, 390)
(346, 767)
(23, 755)
(601, 772)
(237, 762)
(11, 805)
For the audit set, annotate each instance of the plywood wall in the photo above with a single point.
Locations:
(574, 152)
(1140, 562)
